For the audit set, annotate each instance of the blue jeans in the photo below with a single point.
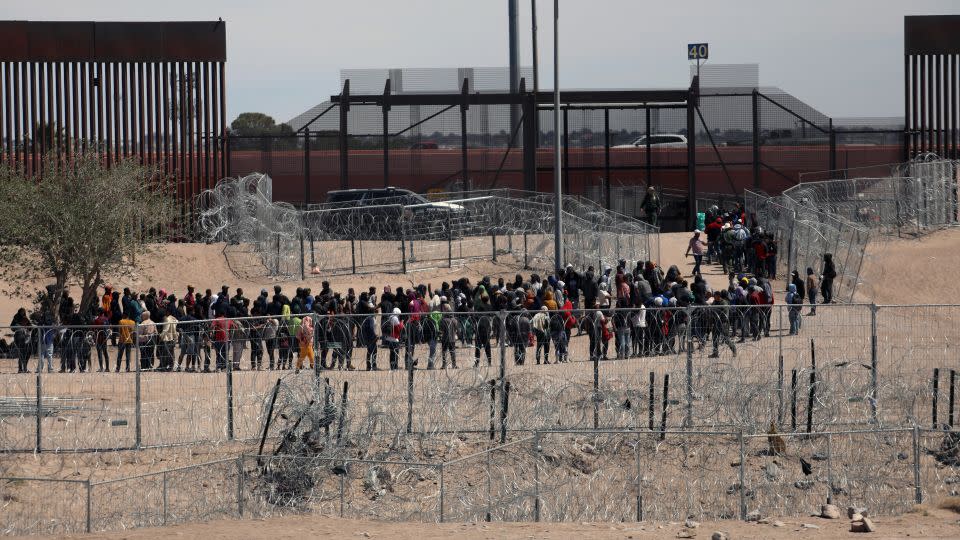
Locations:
(794, 322)
(697, 259)
(46, 351)
(812, 294)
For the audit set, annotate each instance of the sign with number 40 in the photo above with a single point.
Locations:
(697, 51)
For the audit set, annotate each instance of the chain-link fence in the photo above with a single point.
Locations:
(743, 366)
(397, 231)
(549, 475)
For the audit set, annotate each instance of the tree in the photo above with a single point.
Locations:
(254, 123)
(78, 221)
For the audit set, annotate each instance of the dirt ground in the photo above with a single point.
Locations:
(922, 524)
(888, 267)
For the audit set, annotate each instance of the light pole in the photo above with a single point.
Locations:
(557, 206)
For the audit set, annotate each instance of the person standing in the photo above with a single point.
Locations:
(168, 340)
(541, 329)
(126, 331)
(829, 274)
(147, 339)
(812, 286)
(696, 245)
(651, 206)
(305, 339)
(22, 330)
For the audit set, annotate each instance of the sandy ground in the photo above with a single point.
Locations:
(922, 524)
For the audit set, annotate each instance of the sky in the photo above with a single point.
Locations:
(844, 57)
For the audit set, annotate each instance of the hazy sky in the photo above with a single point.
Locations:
(844, 57)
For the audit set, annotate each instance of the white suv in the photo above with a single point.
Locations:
(667, 140)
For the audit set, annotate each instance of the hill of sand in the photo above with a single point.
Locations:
(894, 271)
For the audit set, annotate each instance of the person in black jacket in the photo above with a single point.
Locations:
(795, 279)
(829, 274)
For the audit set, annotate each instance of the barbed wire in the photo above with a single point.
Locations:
(398, 231)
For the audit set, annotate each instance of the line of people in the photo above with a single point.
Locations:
(642, 310)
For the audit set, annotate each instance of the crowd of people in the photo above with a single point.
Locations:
(643, 310)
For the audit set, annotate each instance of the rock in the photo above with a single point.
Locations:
(856, 517)
(753, 516)
(733, 488)
(691, 524)
(686, 534)
(852, 510)
(720, 535)
(818, 456)
(764, 521)
(829, 511)
(803, 484)
(771, 471)
(778, 523)
(809, 526)
(902, 456)
(589, 449)
(862, 526)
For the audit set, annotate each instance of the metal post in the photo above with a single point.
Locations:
(164, 518)
(138, 396)
(409, 392)
(917, 491)
(514, 51)
(449, 239)
(353, 256)
(536, 476)
(636, 458)
(229, 398)
(874, 397)
(936, 397)
(666, 401)
(277, 265)
(596, 387)
(489, 488)
(780, 366)
(813, 386)
(756, 138)
(89, 527)
(403, 243)
(341, 489)
(692, 154)
(606, 156)
(464, 161)
(742, 471)
(386, 133)
(306, 167)
(441, 493)
(494, 243)
(688, 421)
(953, 388)
(38, 447)
(653, 389)
(303, 274)
(240, 486)
(833, 146)
(526, 259)
(344, 138)
(557, 163)
(649, 161)
(793, 400)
